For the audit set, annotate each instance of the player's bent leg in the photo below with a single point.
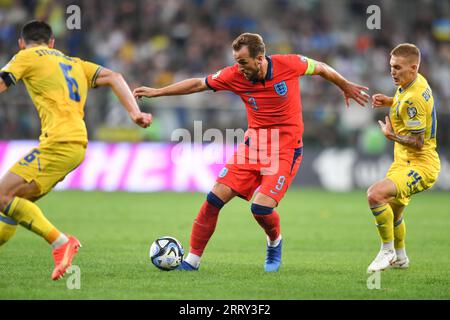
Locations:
(379, 195)
(205, 224)
(8, 226)
(264, 213)
(20, 209)
(14, 194)
(9, 184)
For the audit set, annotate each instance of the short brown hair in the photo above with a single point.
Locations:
(407, 50)
(253, 41)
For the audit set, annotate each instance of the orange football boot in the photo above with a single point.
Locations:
(63, 257)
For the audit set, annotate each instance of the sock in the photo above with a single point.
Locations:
(401, 253)
(384, 217)
(193, 259)
(8, 228)
(60, 241)
(274, 243)
(399, 234)
(268, 219)
(205, 224)
(387, 245)
(28, 215)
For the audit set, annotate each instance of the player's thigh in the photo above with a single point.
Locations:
(45, 166)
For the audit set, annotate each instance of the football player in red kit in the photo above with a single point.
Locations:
(272, 152)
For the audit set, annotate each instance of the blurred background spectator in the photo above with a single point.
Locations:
(158, 42)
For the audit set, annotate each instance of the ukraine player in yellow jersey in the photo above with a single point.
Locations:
(412, 125)
(58, 86)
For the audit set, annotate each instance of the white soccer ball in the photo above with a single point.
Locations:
(166, 253)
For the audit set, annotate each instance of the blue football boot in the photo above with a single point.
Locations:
(273, 258)
(184, 266)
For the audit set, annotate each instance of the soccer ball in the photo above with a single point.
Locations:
(166, 253)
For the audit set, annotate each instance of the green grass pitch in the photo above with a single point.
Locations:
(329, 240)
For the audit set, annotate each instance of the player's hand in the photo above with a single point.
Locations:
(386, 128)
(380, 100)
(142, 119)
(148, 92)
(356, 92)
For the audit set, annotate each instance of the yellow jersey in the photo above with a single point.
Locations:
(58, 86)
(413, 111)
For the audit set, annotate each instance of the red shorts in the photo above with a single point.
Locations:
(245, 172)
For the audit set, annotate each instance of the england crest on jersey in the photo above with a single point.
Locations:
(223, 172)
(281, 88)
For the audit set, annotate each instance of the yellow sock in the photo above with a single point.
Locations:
(399, 234)
(384, 217)
(28, 215)
(7, 228)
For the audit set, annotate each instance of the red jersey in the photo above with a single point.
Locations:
(274, 103)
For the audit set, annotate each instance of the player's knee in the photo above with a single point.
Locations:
(264, 200)
(371, 194)
(224, 192)
(5, 199)
(375, 196)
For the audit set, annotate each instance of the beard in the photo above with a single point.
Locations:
(254, 75)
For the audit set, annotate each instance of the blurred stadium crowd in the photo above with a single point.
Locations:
(157, 42)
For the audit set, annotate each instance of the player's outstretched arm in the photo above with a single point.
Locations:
(351, 90)
(187, 86)
(121, 89)
(380, 100)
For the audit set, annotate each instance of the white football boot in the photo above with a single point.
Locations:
(384, 260)
(401, 263)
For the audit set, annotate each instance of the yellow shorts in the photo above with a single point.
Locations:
(47, 165)
(409, 180)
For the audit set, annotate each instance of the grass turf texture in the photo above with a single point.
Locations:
(329, 240)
